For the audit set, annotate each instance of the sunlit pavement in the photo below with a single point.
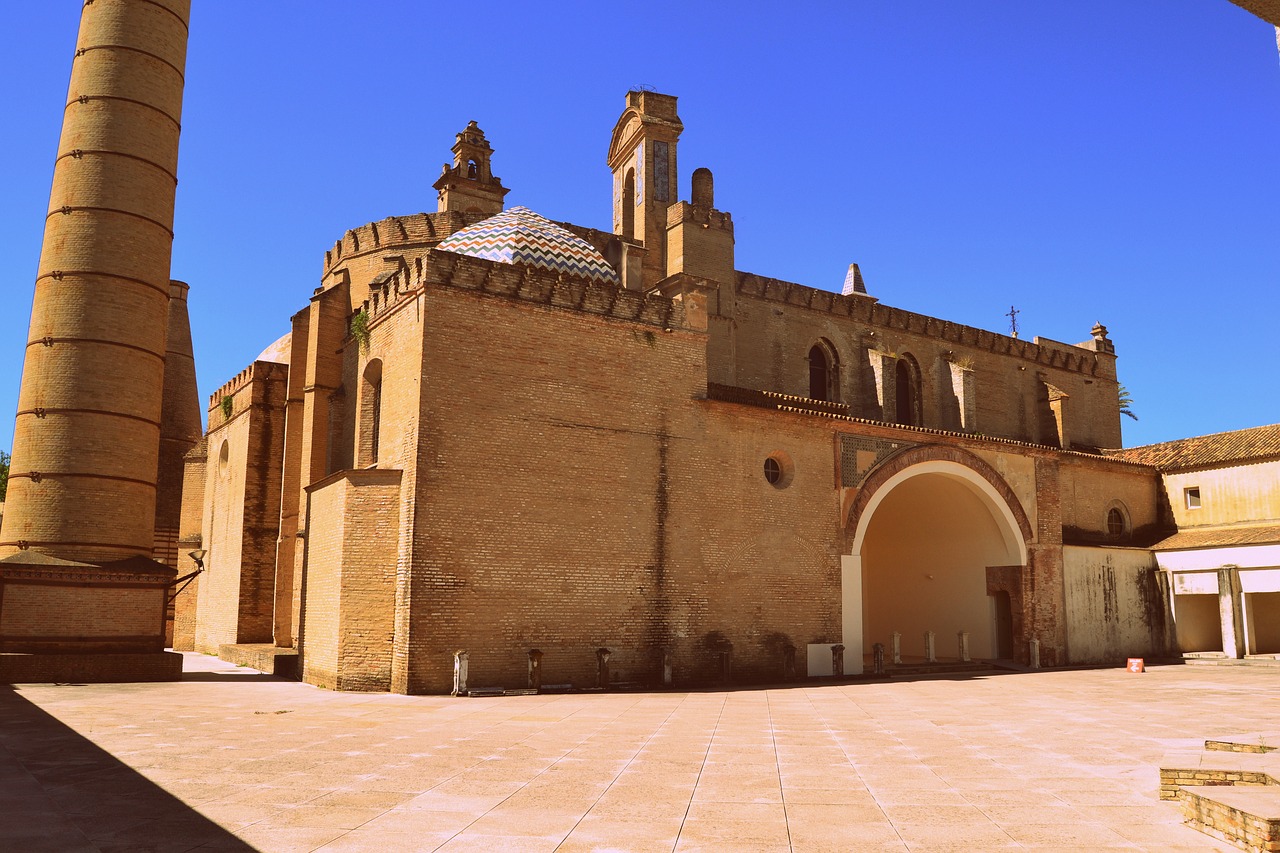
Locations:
(231, 759)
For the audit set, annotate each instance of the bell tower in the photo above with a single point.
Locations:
(469, 184)
(642, 157)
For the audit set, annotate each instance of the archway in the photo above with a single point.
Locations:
(928, 526)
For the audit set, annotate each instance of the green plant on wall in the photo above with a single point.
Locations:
(360, 328)
(226, 404)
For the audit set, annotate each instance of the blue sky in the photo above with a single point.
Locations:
(1085, 161)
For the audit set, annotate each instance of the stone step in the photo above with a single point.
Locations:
(1195, 769)
(1247, 815)
(942, 668)
(1249, 661)
(1262, 742)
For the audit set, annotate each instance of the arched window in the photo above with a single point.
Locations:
(907, 385)
(824, 371)
(370, 413)
(819, 374)
(629, 204)
(473, 171)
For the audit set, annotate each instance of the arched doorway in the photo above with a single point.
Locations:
(928, 527)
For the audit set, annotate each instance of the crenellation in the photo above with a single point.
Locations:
(1042, 350)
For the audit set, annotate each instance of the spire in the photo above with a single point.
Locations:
(853, 284)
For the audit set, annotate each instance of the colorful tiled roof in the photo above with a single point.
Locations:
(1216, 537)
(520, 236)
(1205, 451)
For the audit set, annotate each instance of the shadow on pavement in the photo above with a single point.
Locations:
(247, 677)
(60, 792)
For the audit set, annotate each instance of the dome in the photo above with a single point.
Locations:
(520, 236)
(279, 351)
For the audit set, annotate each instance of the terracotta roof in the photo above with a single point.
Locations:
(1244, 445)
(1213, 537)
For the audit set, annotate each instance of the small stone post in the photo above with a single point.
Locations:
(1033, 646)
(602, 667)
(460, 673)
(726, 664)
(789, 663)
(877, 658)
(963, 638)
(535, 669)
(837, 660)
(930, 652)
(667, 667)
(897, 647)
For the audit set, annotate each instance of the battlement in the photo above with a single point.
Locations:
(521, 283)
(1041, 351)
(419, 229)
(257, 371)
(683, 211)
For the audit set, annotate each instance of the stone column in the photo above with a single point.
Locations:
(535, 669)
(87, 436)
(1229, 612)
(460, 673)
(602, 667)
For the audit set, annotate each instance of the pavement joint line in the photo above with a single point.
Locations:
(777, 766)
(630, 761)
(826, 722)
(724, 701)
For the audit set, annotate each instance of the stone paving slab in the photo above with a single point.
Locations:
(231, 759)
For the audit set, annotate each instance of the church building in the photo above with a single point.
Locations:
(527, 451)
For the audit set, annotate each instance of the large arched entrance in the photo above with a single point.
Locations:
(935, 535)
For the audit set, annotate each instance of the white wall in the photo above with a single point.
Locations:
(1114, 607)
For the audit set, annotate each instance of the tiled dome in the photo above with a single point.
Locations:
(520, 236)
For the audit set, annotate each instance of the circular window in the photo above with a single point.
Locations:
(778, 470)
(1115, 522)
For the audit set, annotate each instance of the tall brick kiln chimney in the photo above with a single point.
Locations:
(83, 482)
(80, 597)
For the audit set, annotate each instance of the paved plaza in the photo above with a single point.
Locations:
(229, 759)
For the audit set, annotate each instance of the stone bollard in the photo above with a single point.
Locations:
(963, 639)
(897, 647)
(602, 667)
(837, 660)
(877, 658)
(1034, 653)
(789, 663)
(930, 651)
(667, 667)
(535, 669)
(460, 673)
(726, 665)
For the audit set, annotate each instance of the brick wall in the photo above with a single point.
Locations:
(348, 628)
(767, 328)
(242, 509)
